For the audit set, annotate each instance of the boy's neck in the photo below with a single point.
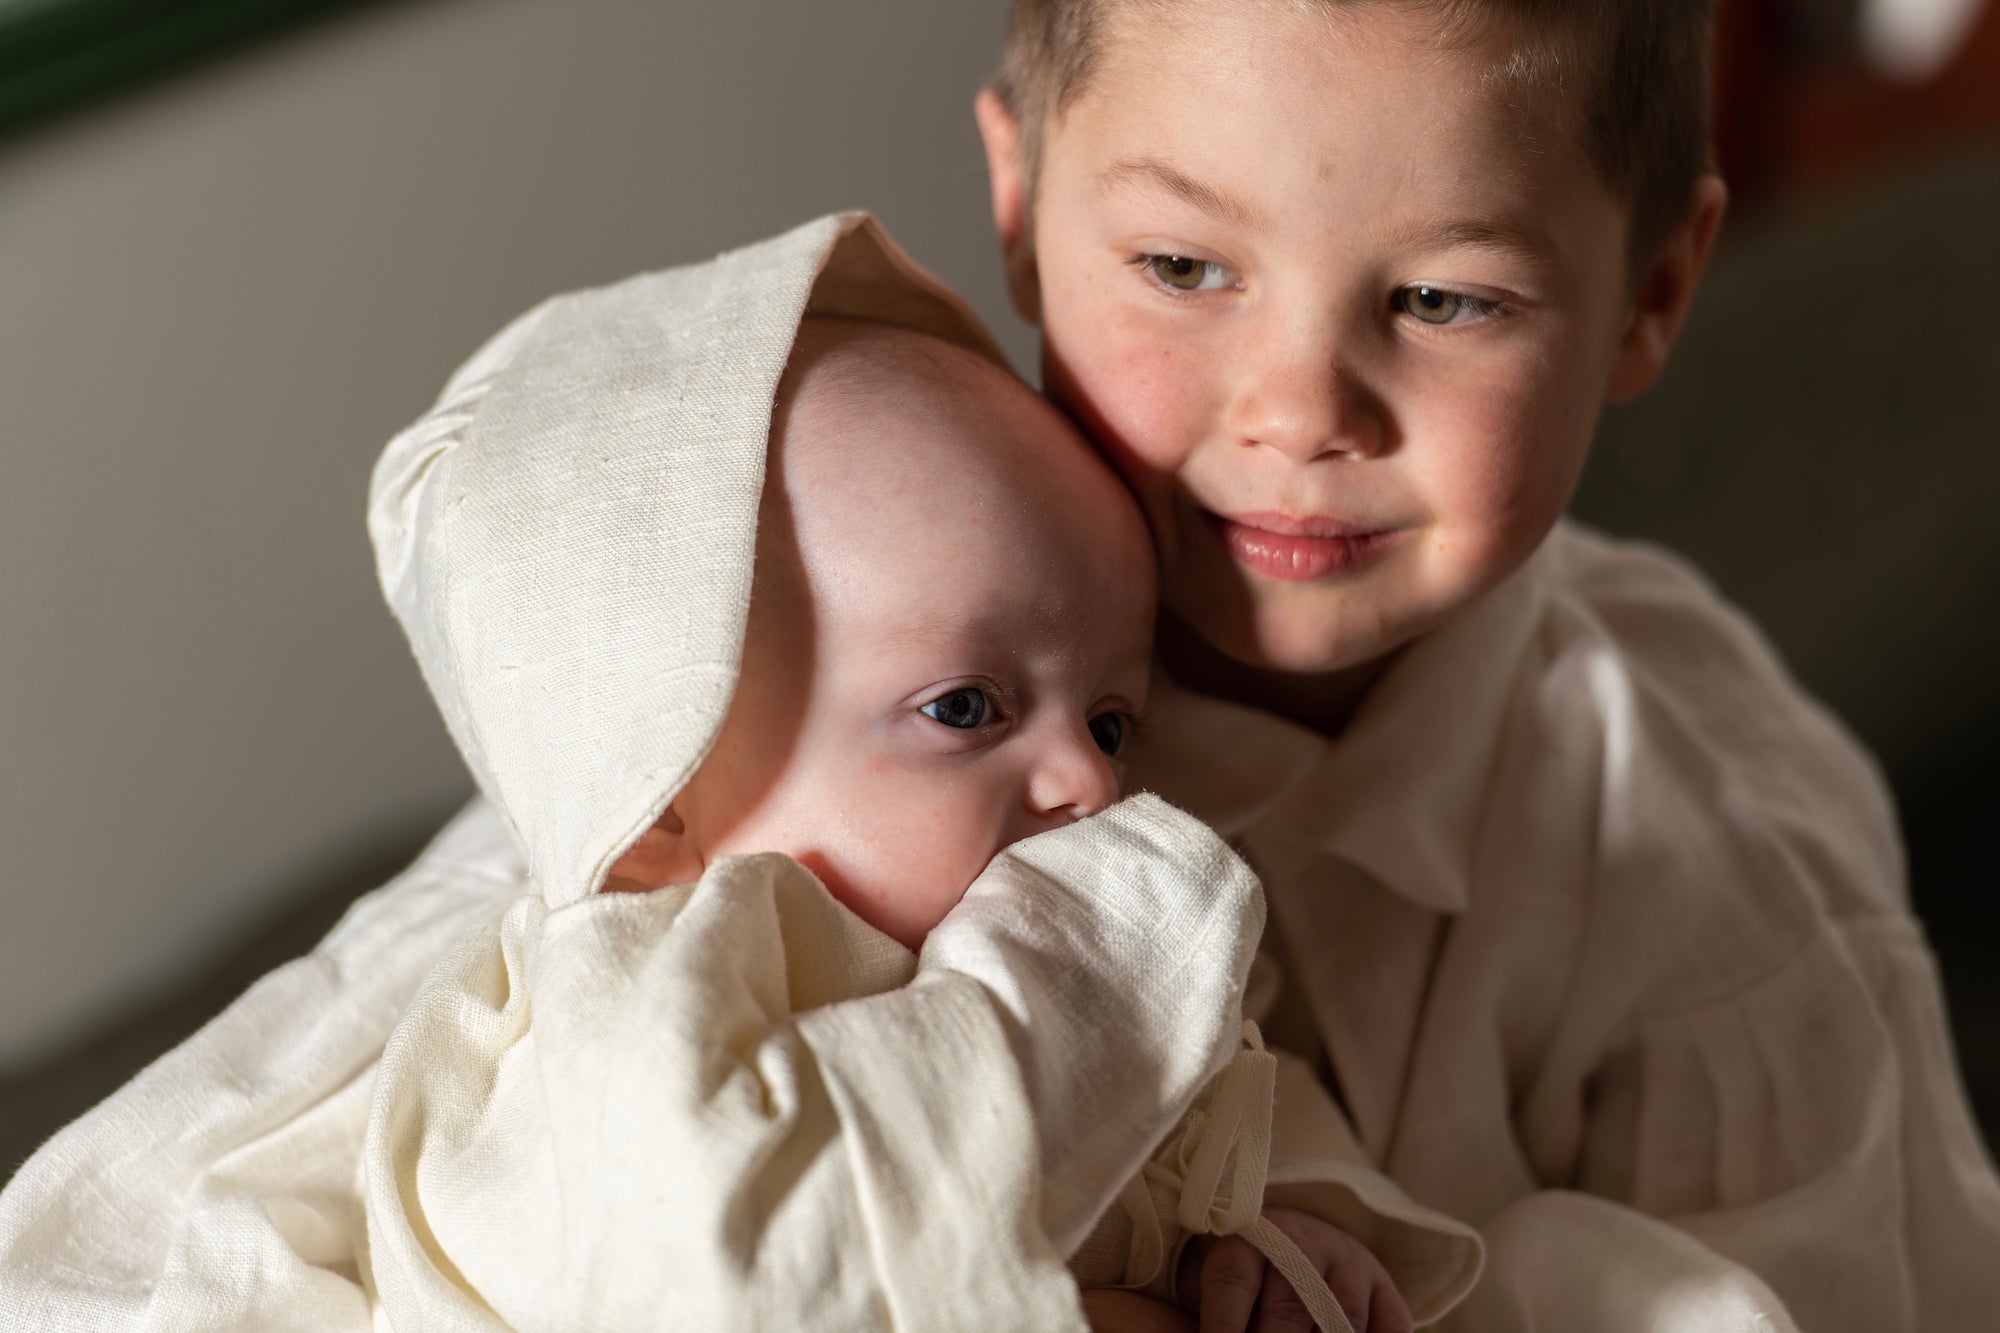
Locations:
(1322, 702)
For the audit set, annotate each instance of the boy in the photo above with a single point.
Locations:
(1577, 893)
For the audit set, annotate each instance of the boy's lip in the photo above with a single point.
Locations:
(1299, 550)
(1284, 525)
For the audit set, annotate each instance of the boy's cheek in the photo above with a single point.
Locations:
(1138, 399)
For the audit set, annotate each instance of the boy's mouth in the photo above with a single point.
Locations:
(1297, 550)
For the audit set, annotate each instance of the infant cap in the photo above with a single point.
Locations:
(567, 537)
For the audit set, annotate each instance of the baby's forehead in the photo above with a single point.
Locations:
(896, 455)
(845, 372)
(868, 412)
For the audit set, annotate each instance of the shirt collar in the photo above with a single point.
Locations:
(1399, 793)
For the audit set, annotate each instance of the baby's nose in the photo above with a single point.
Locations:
(1072, 780)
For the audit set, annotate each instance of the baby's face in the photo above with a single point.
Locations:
(949, 635)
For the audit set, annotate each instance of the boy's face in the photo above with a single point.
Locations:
(1340, 301)
(950, 632)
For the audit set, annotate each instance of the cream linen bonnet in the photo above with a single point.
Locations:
(568, 535)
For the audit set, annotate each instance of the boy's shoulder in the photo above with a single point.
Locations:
(1602, 726)
(1709, 747)
(1648, 620)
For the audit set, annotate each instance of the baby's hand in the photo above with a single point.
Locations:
(1232, 1289)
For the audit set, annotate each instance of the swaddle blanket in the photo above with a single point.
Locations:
(736, 1105)
(567, 537)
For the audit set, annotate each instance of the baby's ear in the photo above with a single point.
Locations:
(1000, 131)
(1665, 292)
(663, 855)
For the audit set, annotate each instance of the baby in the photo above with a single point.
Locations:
(949, 637)
(947, 643)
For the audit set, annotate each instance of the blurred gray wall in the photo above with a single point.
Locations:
(219, 297)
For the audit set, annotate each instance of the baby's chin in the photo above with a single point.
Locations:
(905, 914)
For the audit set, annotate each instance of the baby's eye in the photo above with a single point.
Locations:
(1108, 730)
(963, 708)
(1183, 274)
(1437, 305)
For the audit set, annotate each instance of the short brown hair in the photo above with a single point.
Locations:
(1646, 107)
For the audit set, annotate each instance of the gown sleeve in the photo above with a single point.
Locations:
(735, 1106)
(1314, 1165)
(216, 1189)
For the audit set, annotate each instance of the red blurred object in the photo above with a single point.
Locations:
(1791, 114)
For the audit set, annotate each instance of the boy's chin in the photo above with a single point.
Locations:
(1292, 641)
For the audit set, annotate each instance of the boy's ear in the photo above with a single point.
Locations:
(1665, 292)
(1001, 133)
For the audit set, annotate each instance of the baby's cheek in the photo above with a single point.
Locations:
(909, 843)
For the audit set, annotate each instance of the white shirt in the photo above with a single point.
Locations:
(1599, 928)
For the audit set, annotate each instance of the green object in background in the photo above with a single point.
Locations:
(58, 55)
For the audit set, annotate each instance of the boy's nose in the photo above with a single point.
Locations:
(1072, 779)
(1307, 406)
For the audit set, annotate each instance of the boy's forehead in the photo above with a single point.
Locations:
(1139, 33)
(1218, 61)
(1234, 109)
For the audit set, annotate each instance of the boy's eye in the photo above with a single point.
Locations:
(1437, 305)
(1183, 274)
(1108, 730)
(963, 708)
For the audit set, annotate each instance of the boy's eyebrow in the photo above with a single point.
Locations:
(1519, 239)
(1152, 171)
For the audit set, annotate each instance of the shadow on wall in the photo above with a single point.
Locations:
(1826, 445)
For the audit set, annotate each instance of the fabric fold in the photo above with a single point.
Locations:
(735, 1105)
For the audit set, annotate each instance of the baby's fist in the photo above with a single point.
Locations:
(1233, 1289)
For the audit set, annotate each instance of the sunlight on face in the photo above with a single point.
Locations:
(949, 634)
(1339, 301)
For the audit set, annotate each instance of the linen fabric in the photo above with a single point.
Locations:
(567, 538)
(1598, 926)
(1311, 1162)
(736, 1105)
(217, 1189)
